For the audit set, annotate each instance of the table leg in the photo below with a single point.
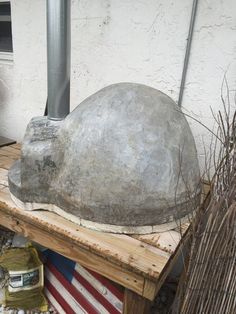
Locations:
(135, 304)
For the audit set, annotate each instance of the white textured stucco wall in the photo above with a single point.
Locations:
(123, 40)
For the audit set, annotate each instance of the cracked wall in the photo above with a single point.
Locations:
(126, 40)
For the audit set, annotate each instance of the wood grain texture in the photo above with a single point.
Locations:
(10, 152)
(17, 146)
(6, 162)
(132, 254)
(166, 241)
(3, 177)
(78, 254)
(134, 304)
(149, 289)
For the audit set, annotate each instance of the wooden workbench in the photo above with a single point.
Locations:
(140, 263)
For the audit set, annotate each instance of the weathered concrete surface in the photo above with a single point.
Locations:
(125, 156)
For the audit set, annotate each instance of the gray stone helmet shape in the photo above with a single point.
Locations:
(124, 161)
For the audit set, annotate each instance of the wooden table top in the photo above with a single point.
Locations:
(137, 262)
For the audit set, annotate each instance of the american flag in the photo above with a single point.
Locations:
(73, 289)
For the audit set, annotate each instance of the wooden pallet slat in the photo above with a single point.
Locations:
(121, 249)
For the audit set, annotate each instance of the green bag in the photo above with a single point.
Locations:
(26, 279)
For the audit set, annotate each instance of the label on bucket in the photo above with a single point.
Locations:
(25, 280)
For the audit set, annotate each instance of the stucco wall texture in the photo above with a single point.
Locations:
(123, 41)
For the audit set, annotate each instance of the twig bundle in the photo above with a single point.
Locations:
(211, 275)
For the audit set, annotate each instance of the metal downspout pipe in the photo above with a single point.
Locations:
(58, 58)
(187, 52)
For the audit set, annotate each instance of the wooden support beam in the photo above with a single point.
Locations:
(85, 258)
(135, 304)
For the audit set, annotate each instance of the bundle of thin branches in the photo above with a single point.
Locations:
(210, 285)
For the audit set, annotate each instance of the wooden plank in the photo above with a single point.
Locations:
(10, 152)
(166, 241)
(11, 149)
(17, 146)
(8, 155)
(4, 177)
(183, 228)
(171, 262)
(6, 162)
(66, 248)
(136, 256)
(135, 304)
(150, 289)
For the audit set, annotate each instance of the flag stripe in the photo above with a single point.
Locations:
(63, 294)
(108, 285)
(66, 307)
(84, 291)
(88, 296)
(106, 293)
(109, 307)
(54, 302)
(72, 290)
(89, 277)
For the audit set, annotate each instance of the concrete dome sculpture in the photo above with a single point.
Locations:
(124, 161)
